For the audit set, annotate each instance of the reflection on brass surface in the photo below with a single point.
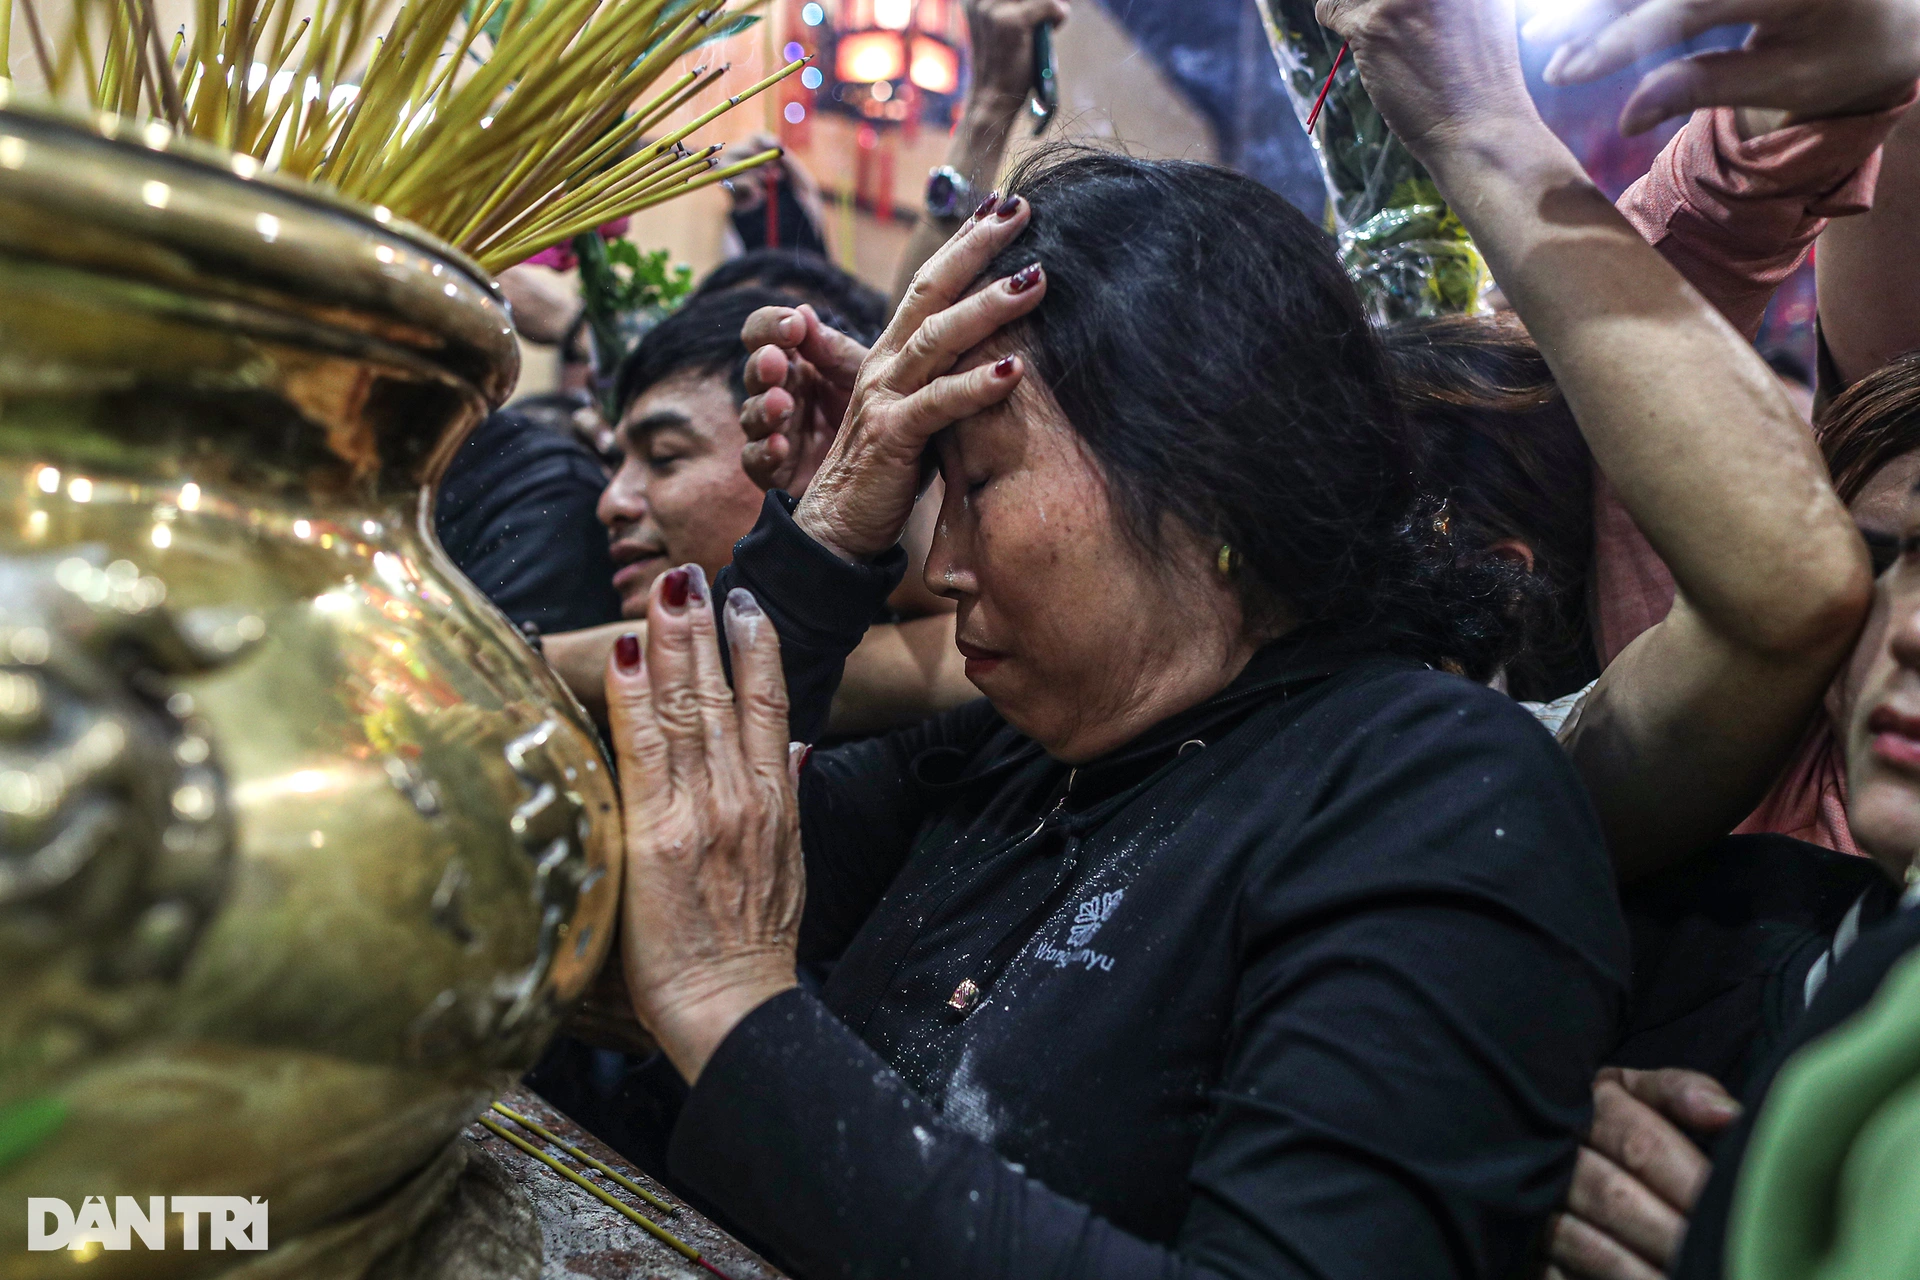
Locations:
(302, 851)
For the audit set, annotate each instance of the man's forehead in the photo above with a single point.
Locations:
(644, 419)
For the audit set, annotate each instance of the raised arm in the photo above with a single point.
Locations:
(1688, 726)
(1734, 202)
(1869, 268)
(1000, 39)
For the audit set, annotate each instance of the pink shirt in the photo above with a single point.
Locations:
(1736, 218)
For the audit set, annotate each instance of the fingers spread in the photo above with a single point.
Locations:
(1579, 1249)
(1724, 77)
(1556, 24)
(947, 335)
(1608, 1197)
(945, 401)
(1647, 1145)
(1646, 30)
(639, 747)
(945, 276)
(760, 685)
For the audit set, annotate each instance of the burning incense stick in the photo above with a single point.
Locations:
(1313, 116)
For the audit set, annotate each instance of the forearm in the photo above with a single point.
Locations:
(579, 658)
(976, 151)
(1869, 266)
(1688, 424)
(1733, 202)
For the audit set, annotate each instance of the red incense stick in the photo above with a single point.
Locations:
(1313, 116)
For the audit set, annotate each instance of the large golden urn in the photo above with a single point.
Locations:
(304, 850)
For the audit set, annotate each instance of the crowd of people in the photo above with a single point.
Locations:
(1131, 769)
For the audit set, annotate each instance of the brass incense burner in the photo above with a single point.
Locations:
(302, 851)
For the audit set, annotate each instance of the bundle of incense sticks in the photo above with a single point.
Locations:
(502, 126)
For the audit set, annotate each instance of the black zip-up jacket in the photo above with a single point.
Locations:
(1309, 980)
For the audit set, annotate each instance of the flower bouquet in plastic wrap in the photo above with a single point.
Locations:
(1400, 242)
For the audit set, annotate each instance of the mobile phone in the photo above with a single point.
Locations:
(1046, 79)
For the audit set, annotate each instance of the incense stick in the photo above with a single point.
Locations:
(1313, 116)
(586, 1159)
(498, 141)
(633, 1215)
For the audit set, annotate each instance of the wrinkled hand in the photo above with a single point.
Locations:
(860, 498)
(799, 380)
(710, 912)
(1001, 36)
(1637, 1175)
(1810, 58)
(1444, 73)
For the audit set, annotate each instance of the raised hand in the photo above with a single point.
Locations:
(1444, 73)
(905, 394)
(1637, 1175)
(710, 916)
(1832, 58)
(798, 379)
(1000, 39)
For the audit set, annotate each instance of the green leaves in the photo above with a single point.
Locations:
(639, 281)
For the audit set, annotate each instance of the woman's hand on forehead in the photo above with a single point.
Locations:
(907, 390)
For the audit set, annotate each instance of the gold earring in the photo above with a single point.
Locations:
(1226, 560)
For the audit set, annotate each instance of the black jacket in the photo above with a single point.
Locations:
(1310, 980)
(515, 513)
(1848, 989)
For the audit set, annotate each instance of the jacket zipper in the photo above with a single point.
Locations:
(967, 995)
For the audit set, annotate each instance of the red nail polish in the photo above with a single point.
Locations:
(1024, 279)
(626, 652)
(805, 756)
(986, 206)
(1003, 367)
(673, 589)
(1008, 207)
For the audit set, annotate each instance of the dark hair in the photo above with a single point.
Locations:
(702, 337)
(1870, 424)
(843, 301)
(1498, 445)
(1204, 343)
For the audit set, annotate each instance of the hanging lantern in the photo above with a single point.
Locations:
(893, 61)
